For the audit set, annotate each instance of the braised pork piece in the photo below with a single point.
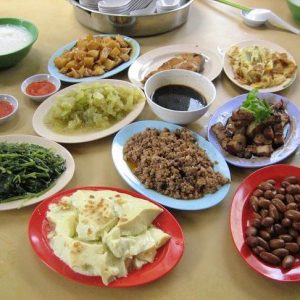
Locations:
(244, 137)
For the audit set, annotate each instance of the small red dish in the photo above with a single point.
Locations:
(166, 259)
(241, 213)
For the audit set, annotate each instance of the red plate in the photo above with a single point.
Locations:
(166, 258)
(241, 213)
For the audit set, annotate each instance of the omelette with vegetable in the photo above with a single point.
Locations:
(260, 67)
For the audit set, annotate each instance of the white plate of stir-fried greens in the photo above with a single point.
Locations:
(31, 169)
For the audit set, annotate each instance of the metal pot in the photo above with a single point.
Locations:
(132, 25)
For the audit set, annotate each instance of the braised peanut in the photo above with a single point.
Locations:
(286, 222)
(274, 231)
(265, 235)
(285, 184)
(279, 204)
(289, 198)
(293, 214)
(292, 206)
(297, 198)
(258, 249)
(286, 237)
(266, 186)
(268, 194)
(296, 225)
(277, 243)
(264, 212)
(252, 241)
(267, 221)
(269, 258)
(291, 179)
(258, 193)
(292, 247)
(251, 231)
(273, 212)
(263, 202)
(254, 203)
(255, 223)
(288, 262)
(263, 243)
(280, 252)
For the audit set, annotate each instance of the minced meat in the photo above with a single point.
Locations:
(172, 163)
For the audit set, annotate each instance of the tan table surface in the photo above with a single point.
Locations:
(211, 268)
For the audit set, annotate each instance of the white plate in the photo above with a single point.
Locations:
(151, 60)
(43, 130)
(271, 46)
(60, 183)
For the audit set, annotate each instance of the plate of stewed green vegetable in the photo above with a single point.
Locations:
(88, 111)
(31, 169)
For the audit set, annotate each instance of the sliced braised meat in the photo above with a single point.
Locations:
(260, 139)
(222, 133)
(242, 136)
(268, 133)
(265, 150)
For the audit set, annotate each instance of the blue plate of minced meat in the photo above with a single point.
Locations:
(171, 165)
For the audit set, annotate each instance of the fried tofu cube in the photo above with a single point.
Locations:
(125, 57)
(109, 64)
(114, 52)
(60, 62)
(88, 61)
(93, 53)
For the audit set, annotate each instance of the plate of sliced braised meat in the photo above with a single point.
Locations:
(187, 57)
(255, 129)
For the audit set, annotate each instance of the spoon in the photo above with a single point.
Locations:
(258, 16)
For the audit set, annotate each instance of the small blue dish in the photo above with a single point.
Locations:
(53, 70)
(205, 202)
(292, 132)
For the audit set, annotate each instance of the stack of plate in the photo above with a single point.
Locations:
(91, 4)
(121, 6)
(167, 5)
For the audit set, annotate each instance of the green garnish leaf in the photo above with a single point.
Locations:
(260, 108)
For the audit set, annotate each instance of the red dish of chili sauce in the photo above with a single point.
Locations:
(40, 88)
(6, 108)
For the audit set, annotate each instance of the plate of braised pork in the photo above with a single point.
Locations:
(255, 129)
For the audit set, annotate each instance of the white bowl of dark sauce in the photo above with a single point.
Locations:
(179, 96)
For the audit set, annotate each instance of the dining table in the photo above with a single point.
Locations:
(211, 267)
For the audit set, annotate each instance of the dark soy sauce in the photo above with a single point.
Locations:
(178, 97)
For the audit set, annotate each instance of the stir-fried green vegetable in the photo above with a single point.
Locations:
(260, 108)
(27, 170)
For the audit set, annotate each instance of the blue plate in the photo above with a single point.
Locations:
(292, 132)
(202, 203)
(55, 72)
